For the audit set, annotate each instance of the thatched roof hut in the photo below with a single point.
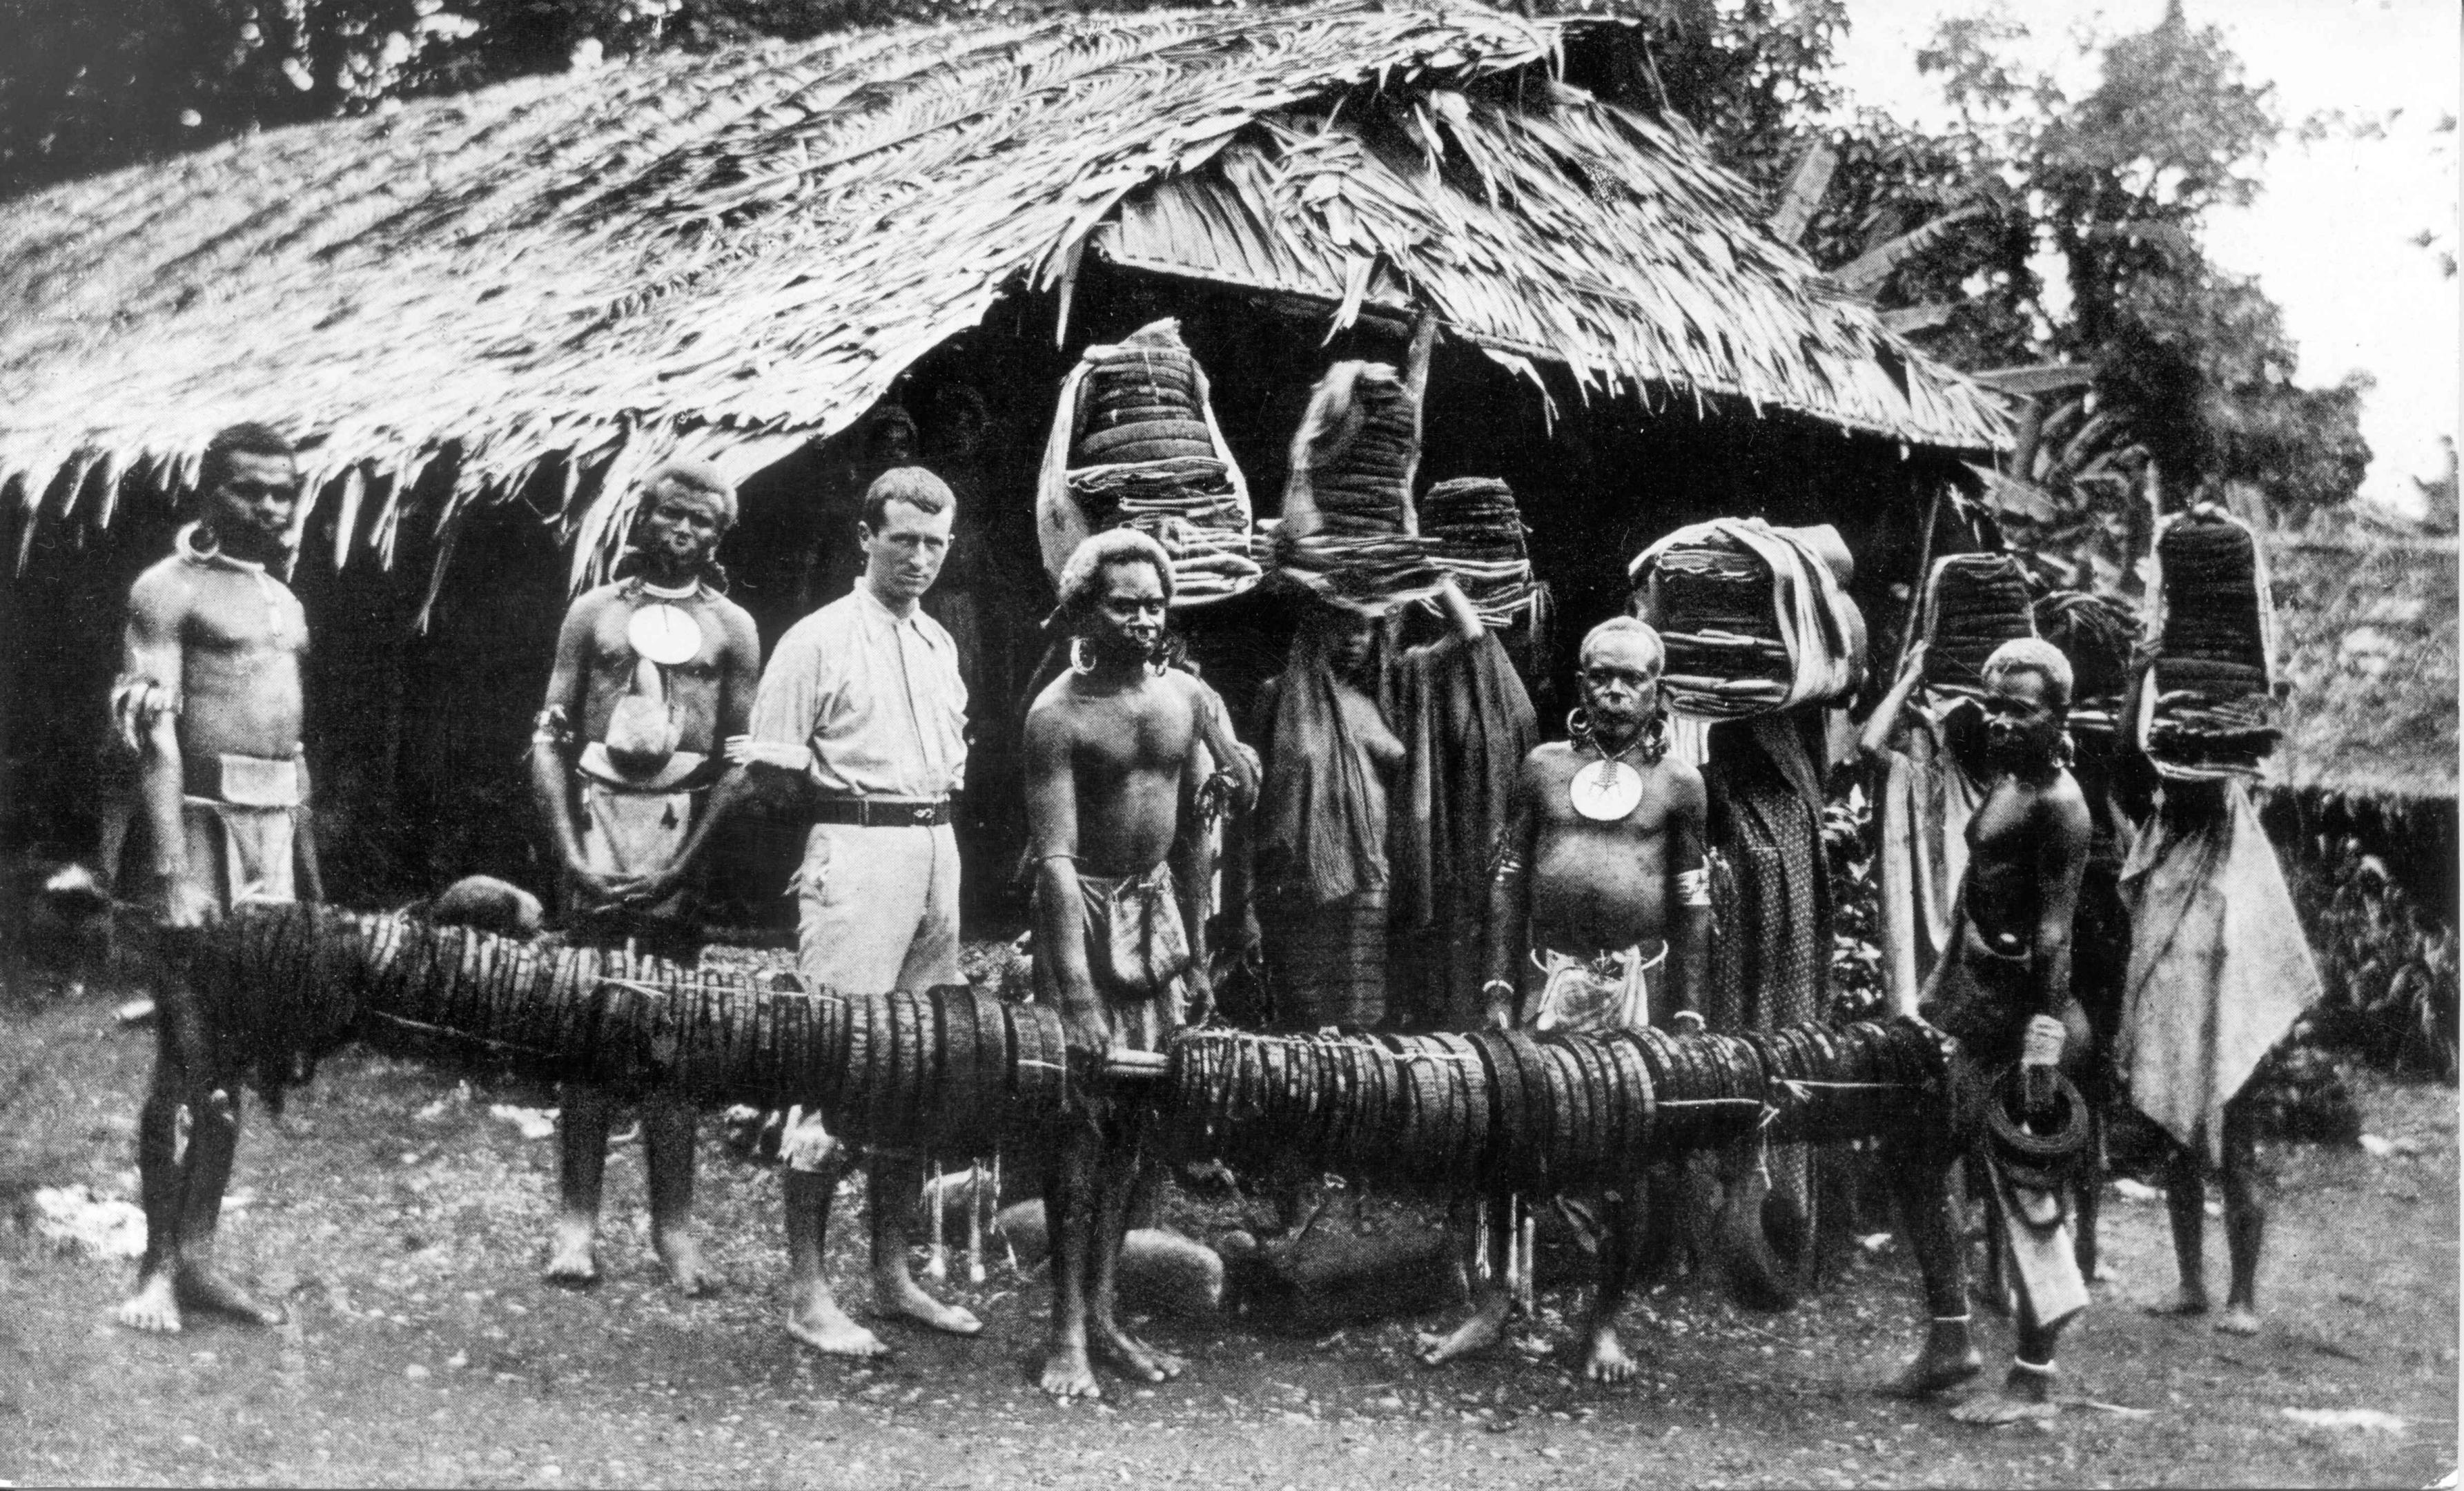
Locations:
(483, 313)
(738, 252)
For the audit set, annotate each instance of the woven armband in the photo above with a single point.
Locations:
(138, 705)
(551, 728)
(1694, 887)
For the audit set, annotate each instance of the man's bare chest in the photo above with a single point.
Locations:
(238, 616)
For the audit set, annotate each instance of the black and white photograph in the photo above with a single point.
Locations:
(1277, 744)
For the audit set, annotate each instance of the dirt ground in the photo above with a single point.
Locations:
(405, 1226)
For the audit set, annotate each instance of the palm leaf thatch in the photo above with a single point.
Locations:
(2367, 630)
(731, 254)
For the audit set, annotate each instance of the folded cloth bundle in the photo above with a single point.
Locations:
(1974, 603)
(1723, 638)
(1477, 534)
(1189, 506)
(1362, 572)
(2209, 710)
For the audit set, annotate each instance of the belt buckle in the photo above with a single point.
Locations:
(919, 815)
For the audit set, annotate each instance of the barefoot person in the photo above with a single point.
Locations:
(2002, 992)
(652, 672)
(1599, 909)
(862, 702)
(2219, 970)
(209, 698)
(1115, 762)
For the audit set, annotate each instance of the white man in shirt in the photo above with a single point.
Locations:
(862, 701)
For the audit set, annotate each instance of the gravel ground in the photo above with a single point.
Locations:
(405, 1225)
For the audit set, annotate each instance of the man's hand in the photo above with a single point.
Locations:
(1913, 665)
(597, 888)
(188, 905)
(644, 889)
(1201, 996)
(1084, 1027)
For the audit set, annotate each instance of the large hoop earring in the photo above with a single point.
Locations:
(1081, 656)
(1578, 723)
(2065, 751)
(1655, 734)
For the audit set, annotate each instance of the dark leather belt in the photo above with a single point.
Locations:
(882, 811)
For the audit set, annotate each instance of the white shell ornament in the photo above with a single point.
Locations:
(666, 634)
(1605, 791)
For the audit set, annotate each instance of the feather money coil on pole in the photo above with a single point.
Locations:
(956, 1072)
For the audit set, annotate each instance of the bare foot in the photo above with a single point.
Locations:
(154, 1306)
(1991, 1410)
(681, 1252)
(1134, 1358)
(1487, 1323)
(574, 1260)
(1948, 1359)
(2183, 1302)
(1605, 1359)
(896, 1294)
(1067, 1374)
(201, 1288)
(816, 1319)
(2238, 1320)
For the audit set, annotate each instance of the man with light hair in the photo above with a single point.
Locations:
(2002, 992)
(1116, 766)
(860, 717)
(1599, 918)
(653, 672)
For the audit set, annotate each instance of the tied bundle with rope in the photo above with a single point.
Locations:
(1754, 617)
(1135, 444)
(1541, 1113)
(950, 1071)
(1476, 535)
(2208, 708)
(1349, 534)
(1972, 604)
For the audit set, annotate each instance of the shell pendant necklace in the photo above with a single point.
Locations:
(663, 631)
(1606, 790)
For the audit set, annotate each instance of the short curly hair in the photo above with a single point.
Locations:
(1082, 574)
(2033, 655)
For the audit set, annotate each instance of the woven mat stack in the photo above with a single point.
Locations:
(1725, 653)
(1359, 555)
(1974, 603)
(1142, 454)
(2212, 712)
(1477, 532)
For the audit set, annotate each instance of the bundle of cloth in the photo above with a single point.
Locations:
(1755, 618)
(1135, 444)
(1972, 604)
(1349, 534)
(1477, 535)
(2208, 709)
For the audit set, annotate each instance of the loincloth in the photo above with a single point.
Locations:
(626, 829)
(1137, 954)
(241, 814)
(1601, 991)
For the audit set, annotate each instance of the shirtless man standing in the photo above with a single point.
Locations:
(1115, 761)
(652, 673)
(209, 697)
(1598, 884)
(2002, 992)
